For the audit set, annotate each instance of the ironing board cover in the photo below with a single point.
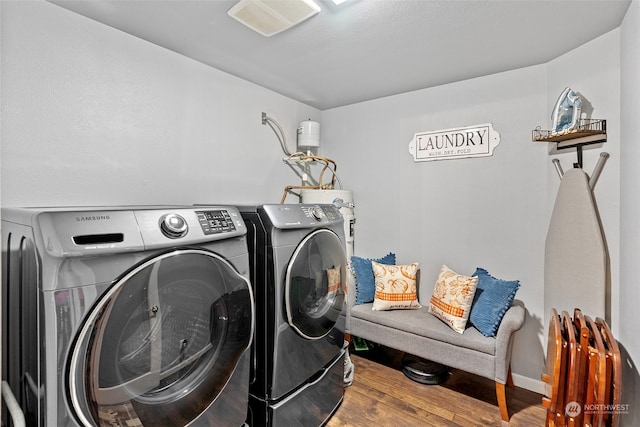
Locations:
(576, 259)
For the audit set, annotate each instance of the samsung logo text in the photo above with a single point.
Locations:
(93, 218)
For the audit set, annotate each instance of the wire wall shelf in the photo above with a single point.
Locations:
(588, 131)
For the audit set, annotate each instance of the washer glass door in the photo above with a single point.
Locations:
(314, 294)
(160, 345)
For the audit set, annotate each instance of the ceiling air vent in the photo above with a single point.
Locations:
(269, 17)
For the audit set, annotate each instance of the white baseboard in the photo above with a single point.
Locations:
(536, 386)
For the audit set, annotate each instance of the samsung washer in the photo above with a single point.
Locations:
(127, 316)
(298, 270)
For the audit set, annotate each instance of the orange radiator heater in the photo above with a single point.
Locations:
(583, 378)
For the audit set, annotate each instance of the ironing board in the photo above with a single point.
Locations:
(576, 259)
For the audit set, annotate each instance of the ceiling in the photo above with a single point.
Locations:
(365, 49)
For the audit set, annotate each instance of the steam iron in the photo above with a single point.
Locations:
(566, 113)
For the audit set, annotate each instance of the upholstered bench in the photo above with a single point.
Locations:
(422, 334)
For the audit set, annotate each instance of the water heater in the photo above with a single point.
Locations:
(343, 199)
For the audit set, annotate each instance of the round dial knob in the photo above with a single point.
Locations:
(173, 226)
(317, 213)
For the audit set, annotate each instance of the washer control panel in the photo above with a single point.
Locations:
(302, 215)
(215, 221)
(319, 212)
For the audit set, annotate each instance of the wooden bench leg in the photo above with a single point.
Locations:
(510, 379)
(502, 401)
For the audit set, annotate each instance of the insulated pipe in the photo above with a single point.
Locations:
(598, 169)
(556, 163)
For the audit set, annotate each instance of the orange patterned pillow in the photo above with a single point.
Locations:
(452, 298)
(395, 286)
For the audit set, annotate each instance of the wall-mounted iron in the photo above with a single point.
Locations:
(567, 111)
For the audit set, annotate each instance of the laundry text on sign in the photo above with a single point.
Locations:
(471, 141)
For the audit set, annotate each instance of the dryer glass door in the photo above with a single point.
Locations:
(161, 344)
(314, 294)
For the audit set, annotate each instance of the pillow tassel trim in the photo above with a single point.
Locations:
(492, 302)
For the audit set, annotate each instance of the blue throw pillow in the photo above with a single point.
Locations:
(363, 273)
(492, 300)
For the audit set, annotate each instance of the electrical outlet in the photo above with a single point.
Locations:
(264, 118)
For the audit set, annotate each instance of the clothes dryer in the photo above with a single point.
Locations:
(127, 316)
(298, 269)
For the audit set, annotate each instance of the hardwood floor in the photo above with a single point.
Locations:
(381, 395)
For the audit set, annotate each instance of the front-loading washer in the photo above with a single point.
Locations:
(139, 316)
(298, 269)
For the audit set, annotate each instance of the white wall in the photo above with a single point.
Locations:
(94, 116)
(628, 330)
(490, 212)
(599, 82)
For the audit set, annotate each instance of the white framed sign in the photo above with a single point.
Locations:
(470, 141)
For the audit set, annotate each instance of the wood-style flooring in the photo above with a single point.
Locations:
(381, 395)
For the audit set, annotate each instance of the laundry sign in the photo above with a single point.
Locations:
(470, 141)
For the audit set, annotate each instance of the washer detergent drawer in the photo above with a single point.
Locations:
(315, 402)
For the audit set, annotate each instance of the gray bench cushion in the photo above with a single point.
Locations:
(421, 322)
